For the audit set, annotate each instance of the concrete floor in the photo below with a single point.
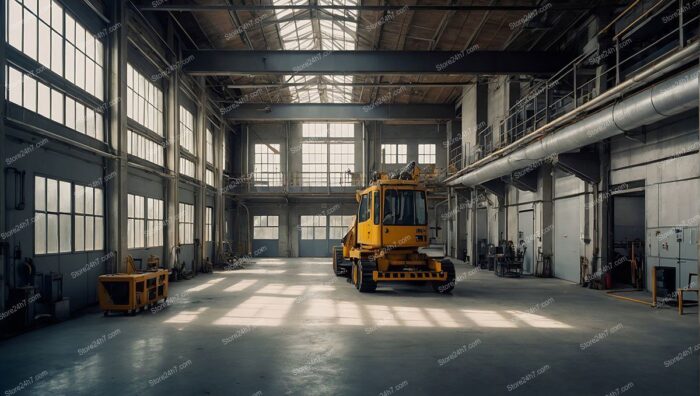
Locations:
(287, 326)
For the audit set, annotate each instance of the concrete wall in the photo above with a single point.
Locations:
(671, 179)
(34, 145)
(57, 162)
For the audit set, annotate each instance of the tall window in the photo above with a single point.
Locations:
(209, 175)
(186, 223)
(144, 148)
(209, 224)
(210, 147)
(342, 163)
(84, 58)
(186, 167)
(52, 210)
(314, 164)
(223, 150)
(314, 130)
(266, 170)
(426, 154)
(136, 215)
(313, 227)
(154, 233)
(341, 130)
(25, 90)
(395, 153)
(144, 101)
(37, 29)
(320, 140)
(338, 226)
(265, 227)
(187, 130)
(89, 218)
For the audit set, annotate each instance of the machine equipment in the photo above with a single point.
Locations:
(390, 226)
(134, 290)
(510, 263)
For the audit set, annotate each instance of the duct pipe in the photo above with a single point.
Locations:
(670, 97)
(664, 66)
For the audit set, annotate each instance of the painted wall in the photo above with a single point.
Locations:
(671, 175)
(57, 162)
(289, 136)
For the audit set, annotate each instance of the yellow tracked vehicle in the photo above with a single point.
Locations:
(390, 226)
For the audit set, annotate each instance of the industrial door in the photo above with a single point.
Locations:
(526, 232)
(318, 233)
(566, 239)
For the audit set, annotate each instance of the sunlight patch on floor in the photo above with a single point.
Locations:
(258, 311)
(282, 289)
(242, 285)
(260, 271)
(412, 317)
(538, 320)
(186, 316)
(441, 317)
(484, 318)
(205, 285)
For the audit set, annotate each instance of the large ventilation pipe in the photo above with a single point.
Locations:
(670, 97)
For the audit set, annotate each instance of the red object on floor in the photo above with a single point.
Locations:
(608, 280)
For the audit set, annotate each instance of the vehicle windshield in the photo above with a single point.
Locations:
(404, 207)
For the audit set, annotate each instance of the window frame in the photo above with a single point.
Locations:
(136, 221)
(208, 224)
(427, 158)
(61, 214)
(155, 222)
(187, 131)
(334, 229)
(267, 165)
(315, 227)
(263, 227)
(394, 153)
(185, 223)
(363, 213)
(97, 219)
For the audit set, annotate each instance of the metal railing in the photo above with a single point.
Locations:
(588, 76)
(296, 182)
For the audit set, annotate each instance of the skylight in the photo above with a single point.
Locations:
(299, 32)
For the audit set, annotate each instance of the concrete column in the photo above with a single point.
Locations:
(449, 222)
(603, 212)
(546, 230)
(471, 224)
(474, 117)
(219, 210)
(200, 196)
(172, 155)
(116, 191)
(448, 145)
(4, 248)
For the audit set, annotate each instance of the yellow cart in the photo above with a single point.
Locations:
(132, 292)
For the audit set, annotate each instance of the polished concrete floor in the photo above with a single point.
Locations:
(287, 326)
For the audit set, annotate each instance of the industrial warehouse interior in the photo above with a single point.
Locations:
(347, 197)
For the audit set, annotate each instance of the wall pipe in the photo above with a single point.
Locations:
(670, 97)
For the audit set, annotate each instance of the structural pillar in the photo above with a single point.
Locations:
(220, 210)
(546, 229)
(172, 155)
(4, 247)
(116, 190)
(200, 198)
